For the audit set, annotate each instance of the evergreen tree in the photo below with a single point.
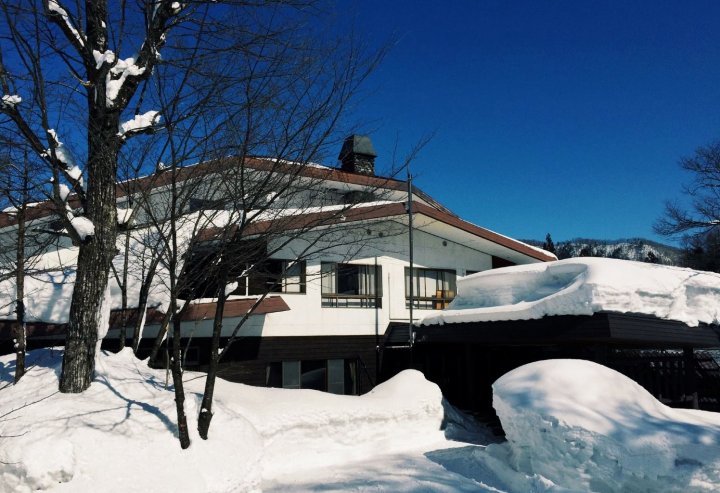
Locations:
(549, 245)
(564, 250)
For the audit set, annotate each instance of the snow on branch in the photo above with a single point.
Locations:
(9, 101)
(59, 15)
(82, 225)
(107, 57)
(117, 76)
(124, 77)
(64, 191)
(139, 124)
(124, 216)
(63, 155)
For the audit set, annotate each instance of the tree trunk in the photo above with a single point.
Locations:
(205, 416)
(176, 366)
(160, 337)
(123, 287)
(96, 252)
(20, 339)
(142, 303)
(19, 335)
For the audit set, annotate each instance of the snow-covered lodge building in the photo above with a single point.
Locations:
(333, 250)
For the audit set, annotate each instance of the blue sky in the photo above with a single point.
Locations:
(566, 117)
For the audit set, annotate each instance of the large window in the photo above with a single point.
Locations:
(432, 288)
(351, 285)
(338, 376)
(273, 276)
(243, 264)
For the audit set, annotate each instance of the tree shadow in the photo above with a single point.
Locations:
(50, 358)
(144, 406)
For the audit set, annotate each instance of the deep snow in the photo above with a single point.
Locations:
(571, 425)
(583, 286)
(121, 432)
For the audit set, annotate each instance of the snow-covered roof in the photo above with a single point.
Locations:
(584, 286)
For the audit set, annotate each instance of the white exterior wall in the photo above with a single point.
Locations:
(436, 245)
(307, 316)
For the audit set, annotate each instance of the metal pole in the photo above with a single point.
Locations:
(410, 246)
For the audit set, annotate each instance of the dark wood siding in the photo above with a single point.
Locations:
(610, 328)
(247, 360)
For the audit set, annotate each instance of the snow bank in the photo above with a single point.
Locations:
(589, 428)
(47, 296)
(121, 432)
(583, 286)
(306, 428)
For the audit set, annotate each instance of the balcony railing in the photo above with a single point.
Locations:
(351, 301)
(440, 301)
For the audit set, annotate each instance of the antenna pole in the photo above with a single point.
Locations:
(411, 292)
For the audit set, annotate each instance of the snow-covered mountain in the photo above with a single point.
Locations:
(630, 249)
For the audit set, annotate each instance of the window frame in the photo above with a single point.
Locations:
(248, 284)
(297, 374)
(432, 302)
(333, 297)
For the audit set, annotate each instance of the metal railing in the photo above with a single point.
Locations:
(351, 301)
(441, 300)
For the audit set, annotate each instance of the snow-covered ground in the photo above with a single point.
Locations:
(571, 425)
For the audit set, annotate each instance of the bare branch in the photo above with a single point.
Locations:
(70, 28)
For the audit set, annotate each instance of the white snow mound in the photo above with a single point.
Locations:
(121, 432)
(589, 428)
(583, 286)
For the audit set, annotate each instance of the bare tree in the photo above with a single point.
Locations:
(57, 59)
(67, 65)
(208, 80)
(697, 225)
(19, 250)
(704, 192)
(293, 220)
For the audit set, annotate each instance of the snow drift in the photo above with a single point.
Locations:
(583, 286)
(121, 432)
(586, 427)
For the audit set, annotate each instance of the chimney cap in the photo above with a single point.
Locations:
(357, 144)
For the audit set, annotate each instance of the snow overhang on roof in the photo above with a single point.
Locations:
(584, 286)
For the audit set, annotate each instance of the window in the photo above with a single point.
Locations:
(338, 376)
(205, 205)
(200, 273)
(199, 277)
(351, 285)
(273, 276)
(432, 288)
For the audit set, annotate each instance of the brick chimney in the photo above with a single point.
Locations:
(358, 155)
